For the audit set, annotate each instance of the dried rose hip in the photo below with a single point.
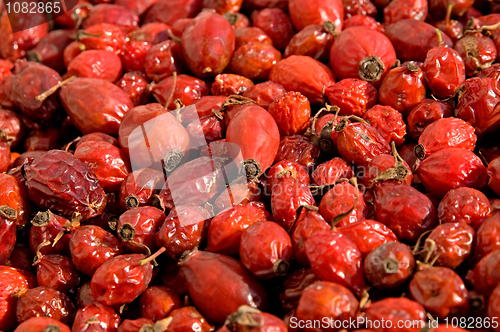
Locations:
(424, 114)
(385, 167)
(12, 280)
(49, 51)
(44, 302)
(441, 291)
(91, 246)
(314, 40)
(292, 113)
(31, 29)
(334, 257)
(8, 235)
(230, 84)
(367, 234)
(484, 277)
(303, 74)
(477, 104)
(47, 226)
(137, 227)
(405, 210)
(402, 9)
(327, 299)
(57, 272)
(364, 21)
(494, 175)
(15, 196)
(353, 96)
(129, 325)
(251, 35)
(105, 112)
(266, 249)
(108, 162)
(276, 24)
(264, 93)
(403, 88)
(412, 39)
(477, 51)
(225, 230)
(450, 244)
(394, 310)
(238, 193)
(105, 36)
(466, 205)
(444, 71)
(122, 278)
(208, 43)
(308, 222)
(363, 53)
(139, 187)
(171, 11)
(494, 305)
(299, 149)
(258, 153)
(389, 266)
(359, 142)
(111, 13)
(203, 270)
(12, 127)
(285, 168)
(188, 319)
(342, 205)
(303, 14)
(41, 324)
(184, 229)
(30, 80)
(247, 318)
(162, 60)
(331, 171)
(96, 64)
(158, 301)
(186, 88)
(488, 236)
(389, 123)
(451, 168)
(287, 195)
(445, 133)
(96, 317)
(254, 60)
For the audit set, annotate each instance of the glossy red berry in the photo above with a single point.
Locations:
(266, 249)
(292, 113)
(389, 266)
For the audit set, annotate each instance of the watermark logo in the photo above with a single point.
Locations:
(27, 14)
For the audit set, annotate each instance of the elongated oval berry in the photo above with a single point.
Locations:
(122, 278)
(266, 249)
(445, 133)
(444, 71)
(450, 243)
(225, 230)
(405, 210)
(203, 271)
(334, 257)
(303, 74)
(62, 183)
(208, 43)
(104, 113)
(441, 291)
(451, 168)
(257, 135)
